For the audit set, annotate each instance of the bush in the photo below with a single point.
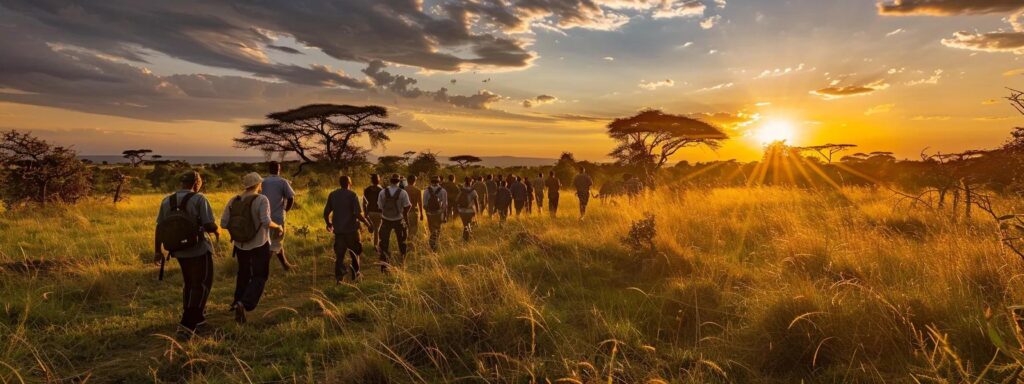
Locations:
(40, 172)
(641, 234)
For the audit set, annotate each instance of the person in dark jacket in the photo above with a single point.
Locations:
(553, 185)
(371, 209)
(452, 188)
(530, 194)
(583, 182)
(503, 201)
(492, 191)
(519, 194)
(342, 214)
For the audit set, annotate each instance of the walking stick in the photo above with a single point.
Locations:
(162, 262)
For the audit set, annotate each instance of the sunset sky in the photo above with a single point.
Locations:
(515, 77)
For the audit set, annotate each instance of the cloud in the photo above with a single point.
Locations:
(481, 100)
(777, 72)
(989, 119)
(731, 121)
(715, 87)
(652, 85)
(680, 9)
(539, 100)
(880, 109)
(608, 58)
(411, 122)
(1011, 42)
(895, 32)
(574, 117)
(947, 7)
(710, 22)
(932, 80)
(836, 92)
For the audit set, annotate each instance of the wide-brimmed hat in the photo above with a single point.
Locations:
(251, 180)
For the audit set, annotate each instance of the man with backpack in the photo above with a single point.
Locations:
(281, 195)
(343, 215)
(436, 205)
(519, 194)
(468, 207)
(553, 185)
(503, 201)
(492, 192)
(416, 198)
(538, 191)
(247, 218)
(184, 218)
(370, 195)
(394, 206)
(583, 182)
(452, 188)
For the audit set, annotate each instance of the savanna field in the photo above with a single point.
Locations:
(742, 285)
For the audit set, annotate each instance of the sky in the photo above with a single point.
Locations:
(515, 77)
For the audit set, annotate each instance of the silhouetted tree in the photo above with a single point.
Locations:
(320, 132)
(425, 164)
(40, 172)
(828, 151)
(136, 156)
(648, 139)
(390, 164)
(464, 161)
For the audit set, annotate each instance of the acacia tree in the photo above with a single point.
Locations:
(136, 156)
(320, 133)
(464, 161)
(40, 172)
(390, 164)
(648, 139)
(425, 164)
(828, 151)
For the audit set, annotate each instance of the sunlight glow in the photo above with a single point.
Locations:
(775, 130)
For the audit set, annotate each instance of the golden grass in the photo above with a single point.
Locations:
(748, 284)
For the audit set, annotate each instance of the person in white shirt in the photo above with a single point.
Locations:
(394, 205)
(435, 203)
(247, 218)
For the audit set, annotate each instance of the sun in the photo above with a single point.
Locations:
(775, 130)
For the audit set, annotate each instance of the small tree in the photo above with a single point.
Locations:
(464, 161)
(390, 164)
(648, 139)
(425, 164)
(320, 133)
(40, 172)
(136, 156)
(828, 151)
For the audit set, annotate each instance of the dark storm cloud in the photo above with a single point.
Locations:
(948, 7)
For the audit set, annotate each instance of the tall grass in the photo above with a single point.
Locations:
(743, 285)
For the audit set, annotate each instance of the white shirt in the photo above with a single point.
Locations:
(403, 202)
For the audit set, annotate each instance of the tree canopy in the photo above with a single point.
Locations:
(464, 161)
(136, 156)
(649, 138)
(321, 133)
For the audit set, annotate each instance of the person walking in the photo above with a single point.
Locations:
(436, 205)
(553, 185)
(394, 206)
(416, 198)
(538, 192)
(519, 194)
(247, 218)
(279, 192)
(481, 190)
(503, 201)
(492, 191)
(452, 188)
(583, 182)
(184, 218)
(370, 195)
(342, 214)
(468, 207)
(530, 195)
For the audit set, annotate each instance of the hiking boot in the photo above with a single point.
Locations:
(239, 313)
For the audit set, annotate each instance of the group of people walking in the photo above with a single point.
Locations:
(255, 219)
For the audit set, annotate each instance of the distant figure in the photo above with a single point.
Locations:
(538, 192)
(342, 215)
(281, 195)
(503, 201)
(583, 182)
(492, 191)
(530, 194)
(370, 195)
(553, 185)
(435, 200)
(481, 190)
(452, 188)
(416, 198)
(468, 206)
(394, 206)
(247, 218)
(519, 194)
(183, 218)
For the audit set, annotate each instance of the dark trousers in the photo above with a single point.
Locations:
(434, 221)
(519, 204)
(198, 275)
(253, 272)
(492, 204)
(540, 201)
(350, 244)
(553, 203)
(584, 199)
(386, 227)
(467, 224)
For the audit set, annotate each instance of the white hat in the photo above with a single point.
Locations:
(251, 180)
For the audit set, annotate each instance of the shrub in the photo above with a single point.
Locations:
(641, 234)
(40, 172)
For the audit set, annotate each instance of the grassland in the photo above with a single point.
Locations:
(745, 285)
